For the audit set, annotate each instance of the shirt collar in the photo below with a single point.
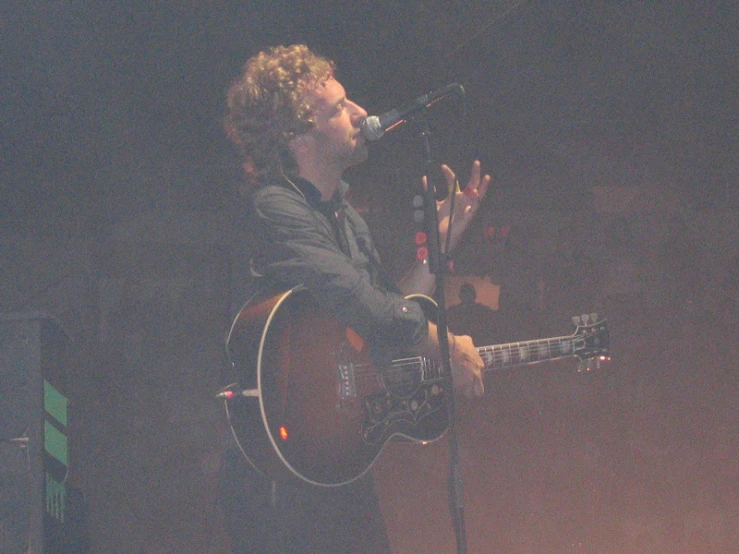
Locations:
(313, 195)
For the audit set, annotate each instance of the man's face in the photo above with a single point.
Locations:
(336, 138)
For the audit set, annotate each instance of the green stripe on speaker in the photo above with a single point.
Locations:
(55, 403)
(55, 442)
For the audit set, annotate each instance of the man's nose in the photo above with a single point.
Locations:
(359, 112)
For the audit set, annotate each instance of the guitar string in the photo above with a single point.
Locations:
(507, 354)
(511, 355)
(504, 353)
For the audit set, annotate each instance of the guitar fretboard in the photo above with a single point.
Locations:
(513, 354)
(588, 342)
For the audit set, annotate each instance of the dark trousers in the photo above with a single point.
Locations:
(267, 517)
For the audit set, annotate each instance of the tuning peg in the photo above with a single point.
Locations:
(585, 318)
(576, 320)
(594, 317)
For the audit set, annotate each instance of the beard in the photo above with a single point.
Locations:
(358, 154)
(345, 154)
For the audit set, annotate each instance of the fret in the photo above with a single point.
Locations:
(544, 351)
(565, 346)
(523, 353)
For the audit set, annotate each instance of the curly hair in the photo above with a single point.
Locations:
(267, 107)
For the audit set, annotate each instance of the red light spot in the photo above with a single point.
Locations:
(283, 433)
(422, 253)
(420, 238)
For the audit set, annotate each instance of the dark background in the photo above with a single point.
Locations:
(93, 89)
(610, 129)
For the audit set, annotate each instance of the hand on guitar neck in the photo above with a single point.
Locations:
(467, 365)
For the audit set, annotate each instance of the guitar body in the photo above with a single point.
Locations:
(314, 407)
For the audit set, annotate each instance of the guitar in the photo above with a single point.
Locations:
(314, 408)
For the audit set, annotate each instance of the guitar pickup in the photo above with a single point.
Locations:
(347, 383)
(430, 370)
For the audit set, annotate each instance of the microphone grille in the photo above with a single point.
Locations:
(371, 128)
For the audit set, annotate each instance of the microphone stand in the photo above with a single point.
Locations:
(438, 265)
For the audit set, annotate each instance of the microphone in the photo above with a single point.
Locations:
(373, 127)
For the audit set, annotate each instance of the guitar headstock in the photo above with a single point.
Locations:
(591, 341)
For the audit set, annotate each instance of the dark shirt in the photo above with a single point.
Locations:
(297, 239)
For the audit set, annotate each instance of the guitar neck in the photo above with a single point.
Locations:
(503, 356)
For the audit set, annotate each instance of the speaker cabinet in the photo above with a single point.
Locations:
(34, 443)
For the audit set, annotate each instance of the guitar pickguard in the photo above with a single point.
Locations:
(387, 414)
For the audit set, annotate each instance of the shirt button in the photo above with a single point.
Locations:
(404, 309)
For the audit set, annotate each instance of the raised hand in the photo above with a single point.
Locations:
(466, 202)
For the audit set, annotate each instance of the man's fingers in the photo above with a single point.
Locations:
(475, 174)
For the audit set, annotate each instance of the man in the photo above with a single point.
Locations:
(298, 132)
(472, 318)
